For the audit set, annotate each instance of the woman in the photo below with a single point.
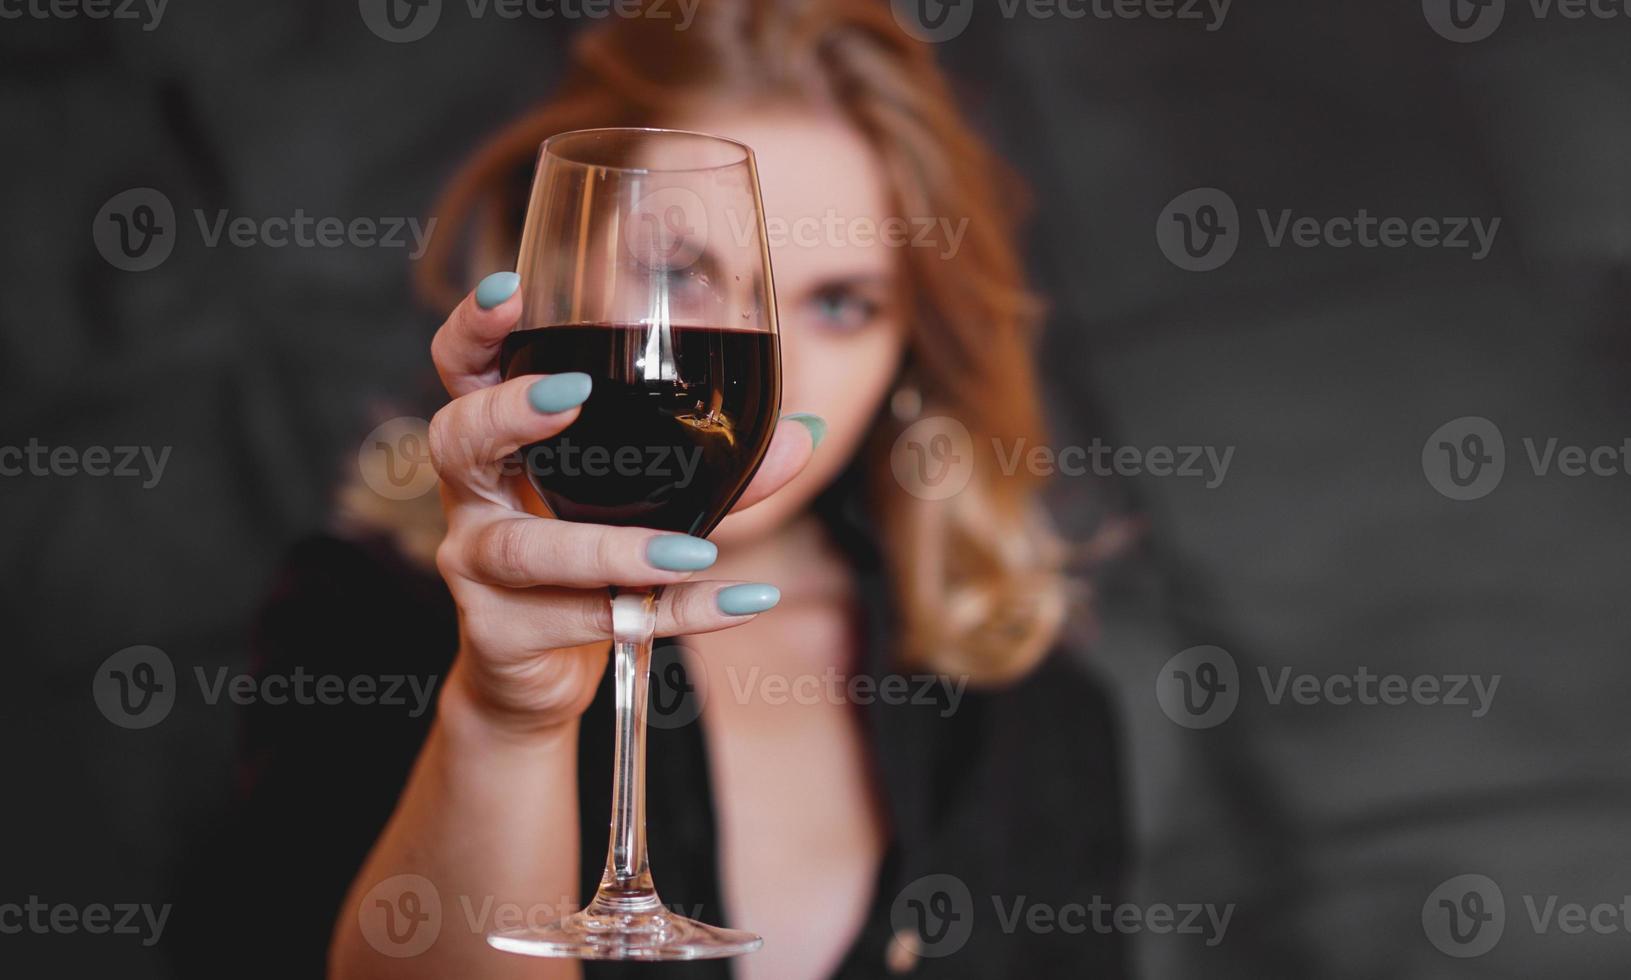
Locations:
(857, 834)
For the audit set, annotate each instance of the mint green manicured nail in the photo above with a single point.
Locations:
(559, 392)
(681, 553)
(745, 600)
(815, 423)
(496, 288)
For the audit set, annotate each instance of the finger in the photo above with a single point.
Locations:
(474, 433)
(706, 607)
(790, 451)
(466, 348)
(551, 619)
(525, 552)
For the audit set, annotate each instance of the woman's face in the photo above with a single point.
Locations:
(837, 288)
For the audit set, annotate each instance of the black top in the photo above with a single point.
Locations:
(1010, 801)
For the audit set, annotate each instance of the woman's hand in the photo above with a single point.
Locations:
(534, 620)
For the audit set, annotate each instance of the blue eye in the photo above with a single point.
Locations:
(843, 309)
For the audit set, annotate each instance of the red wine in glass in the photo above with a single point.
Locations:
(644, 264)
(675, 425)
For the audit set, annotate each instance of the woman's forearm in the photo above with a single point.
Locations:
(486, 832)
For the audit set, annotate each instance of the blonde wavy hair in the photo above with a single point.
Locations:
(976, 578)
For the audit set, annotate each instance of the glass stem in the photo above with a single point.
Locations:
(626, 886)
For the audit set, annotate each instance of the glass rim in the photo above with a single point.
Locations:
(549, 148)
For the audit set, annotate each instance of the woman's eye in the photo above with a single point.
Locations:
(843, 309)
(669, 275)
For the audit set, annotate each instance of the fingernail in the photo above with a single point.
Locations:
(496, 288)
(559, 392)
(815, 423)
(745, 600)
(681, 553)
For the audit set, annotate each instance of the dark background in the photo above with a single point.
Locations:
(1326, 549)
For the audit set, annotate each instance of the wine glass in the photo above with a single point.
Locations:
(644, 265)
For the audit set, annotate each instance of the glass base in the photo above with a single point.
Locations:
(649, 936)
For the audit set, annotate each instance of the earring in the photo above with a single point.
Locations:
(906, 404)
